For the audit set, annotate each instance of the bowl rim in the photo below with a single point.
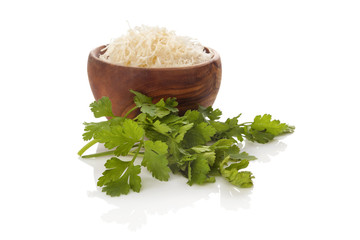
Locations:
(96, 52)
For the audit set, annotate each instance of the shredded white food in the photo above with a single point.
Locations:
(152, 47)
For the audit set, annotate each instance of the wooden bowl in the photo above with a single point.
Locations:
(192, 86)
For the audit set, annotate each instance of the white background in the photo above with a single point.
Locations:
(297, 60)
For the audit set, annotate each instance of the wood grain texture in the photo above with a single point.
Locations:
(192, 86)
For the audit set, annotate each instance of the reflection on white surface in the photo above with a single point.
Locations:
(161, 198)
(264, 152)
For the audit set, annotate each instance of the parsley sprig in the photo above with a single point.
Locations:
(197, 145)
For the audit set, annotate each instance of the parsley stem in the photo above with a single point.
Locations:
(127, 114)
(245, 123)
(100, 154)
(87, 146)
(138, 149)
(140, 154)
(107, 153)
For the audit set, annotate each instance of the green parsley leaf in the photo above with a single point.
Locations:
(179, 135)
(225, 148)
(160, 109)
(166, 107)
(240, 165)
(264, 123)
(122, 137)
(198, 135)
(144, 103)
(223, 143)
(197, 145)
(194, 116)
(161, 127)
(155, 159)
(228, 129)
(210, 113)
(115, 168)
(171, 104)
(149, 109)
(257, 136)
(92, 128)
(134, 179)
(198, 170)
(102, 108)
(140, 98)
(263, 129)
(241, 179)
(201, 149)
(120, 177)
(242, 156)
(175, 155)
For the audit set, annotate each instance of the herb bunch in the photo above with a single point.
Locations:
(197, 145)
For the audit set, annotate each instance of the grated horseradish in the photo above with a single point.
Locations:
(152, 47)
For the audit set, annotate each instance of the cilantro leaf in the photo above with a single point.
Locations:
(161, 127)
(140, 99)
(179, 135)
(198, 170)
(206, 131)
(134, 179)
(198, 135)
(210, 157)
(131, 134)
(155, 110)
(198, 145)
(201, 149)
(194, 116)
(166, 107)
(122, 137)
(120, 177)
(92, 128)
(160, 109)
(242, 156)
(149, 109)
(155, 159)
(239, 165)
(210, 113)
(223, 143)
(144, 103)
(258, 136)
(102, 108)
(175, 155)
(224, 149)
(264, 123)
(171, 104)
(228, 129)
(115, 168)
(153, 135)
(241, 179)
(202, 158)
(263, 129)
